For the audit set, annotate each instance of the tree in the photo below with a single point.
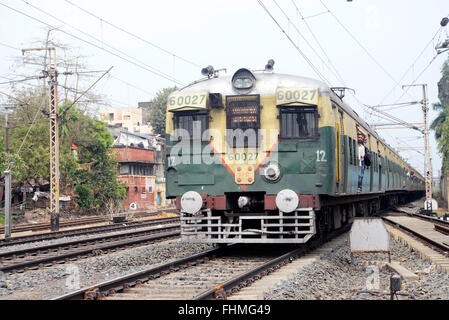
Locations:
(92, 174)
(157, 110)
(441, 123)
(437, 123)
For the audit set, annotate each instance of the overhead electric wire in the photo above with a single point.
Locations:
(359, 43)
(305, 57)
(131, 85)
(318, 42)
(300, 34)
(159, 72)
(416, 79)
(74, 72)
(411, 66)
(21, 80)
(134, 35)
(293, 43)
(90, 43)
(369, 54)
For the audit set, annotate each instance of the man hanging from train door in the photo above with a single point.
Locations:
(361, 145)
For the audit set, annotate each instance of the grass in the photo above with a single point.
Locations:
(2, 218)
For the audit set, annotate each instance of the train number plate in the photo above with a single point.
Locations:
(308, 96)
(185, 101)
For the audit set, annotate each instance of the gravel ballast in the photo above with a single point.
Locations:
(54, 281)
(334, 277)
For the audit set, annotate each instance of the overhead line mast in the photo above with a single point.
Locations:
(54, 135)
(54, 130)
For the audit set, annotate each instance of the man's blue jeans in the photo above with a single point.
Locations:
(361, 172)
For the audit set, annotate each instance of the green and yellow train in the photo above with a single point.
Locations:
(261, 157)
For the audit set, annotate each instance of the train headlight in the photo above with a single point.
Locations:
(191, 202)
(287, 201)
(243, 79)
(243, 83)
(272, 171)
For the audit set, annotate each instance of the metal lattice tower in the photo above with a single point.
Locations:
(54, 143)
(54, 135)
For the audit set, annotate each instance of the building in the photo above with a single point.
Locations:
(129, 119)
(141, 168)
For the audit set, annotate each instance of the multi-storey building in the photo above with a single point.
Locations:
(129, 119)
(141, 168)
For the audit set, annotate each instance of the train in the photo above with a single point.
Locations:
(262, 157)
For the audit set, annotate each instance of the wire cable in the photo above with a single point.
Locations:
(134, 35)
(90, 43)
(103, 43)
(293, 43)
(339, 77)
(359, 43)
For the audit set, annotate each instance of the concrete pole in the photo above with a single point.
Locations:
(6, 133)
(427, 162)
(7, 204)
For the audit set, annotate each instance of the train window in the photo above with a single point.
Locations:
(299, 122)
(191, 122)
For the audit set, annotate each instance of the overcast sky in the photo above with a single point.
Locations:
(368, 46)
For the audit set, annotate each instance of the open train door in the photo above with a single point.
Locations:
(342, 165)
(371, 167)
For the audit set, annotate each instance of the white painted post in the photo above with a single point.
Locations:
(7, 204)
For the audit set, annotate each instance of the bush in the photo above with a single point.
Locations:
(85, 198)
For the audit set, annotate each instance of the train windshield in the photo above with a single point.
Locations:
(190, 125)
(299, 122)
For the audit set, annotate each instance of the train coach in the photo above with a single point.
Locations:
(261, 157)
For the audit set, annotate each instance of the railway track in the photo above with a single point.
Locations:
(423, 217)
(63, 224)
(78, 222)
(422, 229)
(37, 257)
(213, 274)
(85, 231)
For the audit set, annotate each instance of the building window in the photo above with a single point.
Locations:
(111, 117)
(126, 117)
(191, 122)
(124, 169)
(299, 122)
(139, 169)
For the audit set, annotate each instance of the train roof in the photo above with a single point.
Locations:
(268, 82)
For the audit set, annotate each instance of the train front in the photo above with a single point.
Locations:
(248, 157)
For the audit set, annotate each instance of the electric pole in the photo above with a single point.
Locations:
(429, 203)
(7, 180)
(54, 136)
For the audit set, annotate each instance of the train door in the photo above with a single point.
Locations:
(371, 167)
(343, 156)
(340, 152)
(379, 164)
(387, 172)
